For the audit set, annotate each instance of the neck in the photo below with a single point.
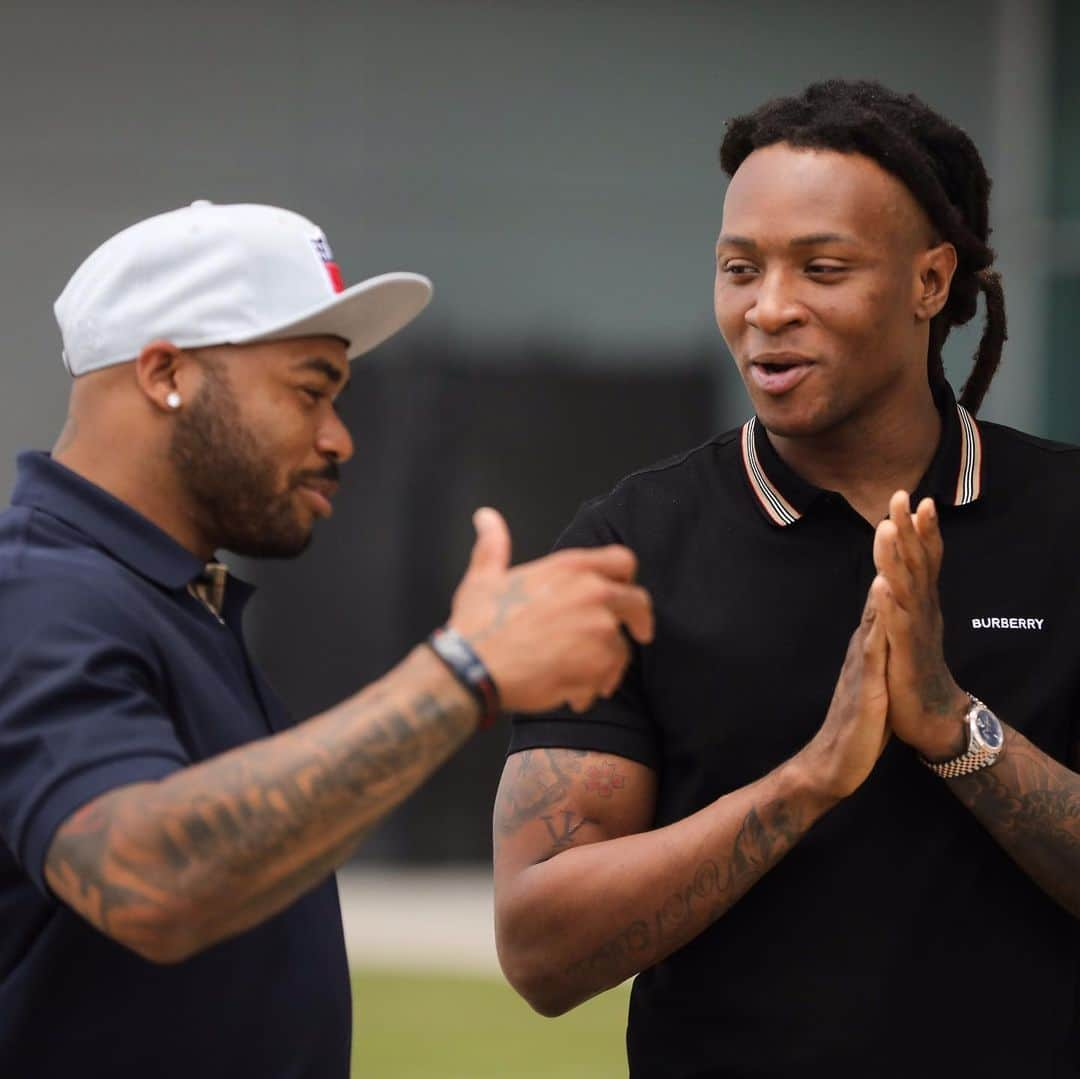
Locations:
(869, 457)
(147, 487)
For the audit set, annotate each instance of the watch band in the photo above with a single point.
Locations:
(468, 668)
(978, 754)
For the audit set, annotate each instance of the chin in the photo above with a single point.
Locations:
(791, 420)
(271, 545)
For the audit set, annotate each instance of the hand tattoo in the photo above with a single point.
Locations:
(513, 595)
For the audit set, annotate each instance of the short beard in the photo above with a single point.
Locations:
(230, 480)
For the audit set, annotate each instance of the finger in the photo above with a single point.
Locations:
(581, 700)
(895, 621)
(615, 562)
(491, 551)
(869, 611)
(632, 605)
(876, 645)
(926, 524)
(891, 565)
(875, 649)
(908, 541)
(617, 671)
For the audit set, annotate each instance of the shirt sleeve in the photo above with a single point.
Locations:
(81, 709)
(620, 724)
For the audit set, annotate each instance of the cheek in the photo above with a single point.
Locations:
(281, 431)
(730, 305)
(856, 316)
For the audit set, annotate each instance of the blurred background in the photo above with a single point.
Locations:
(553, 167)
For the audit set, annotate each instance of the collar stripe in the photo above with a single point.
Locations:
(779, 510)
(969, 480)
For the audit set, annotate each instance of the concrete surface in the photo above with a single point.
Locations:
(437, 920)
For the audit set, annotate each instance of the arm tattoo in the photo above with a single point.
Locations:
(563, 830)
(232, 840)
(711, 891)
(1030, 803)
(542, 780)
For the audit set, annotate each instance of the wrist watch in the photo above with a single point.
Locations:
(986, 740)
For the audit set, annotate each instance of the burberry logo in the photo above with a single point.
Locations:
(1007, 623)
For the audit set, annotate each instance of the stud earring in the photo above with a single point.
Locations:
(173, 400)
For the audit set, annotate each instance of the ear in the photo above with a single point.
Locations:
(161, 371)
(934, 269)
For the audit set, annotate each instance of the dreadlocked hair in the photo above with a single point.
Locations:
(934, 159)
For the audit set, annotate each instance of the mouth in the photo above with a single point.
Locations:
(318, 494)
(779, 373)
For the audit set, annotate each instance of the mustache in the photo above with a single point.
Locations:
(331, 472)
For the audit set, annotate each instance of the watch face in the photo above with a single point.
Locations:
(989, 729)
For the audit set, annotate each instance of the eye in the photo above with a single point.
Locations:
(738, 268)
(314, 396)
(825, 269)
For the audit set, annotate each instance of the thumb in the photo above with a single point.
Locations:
(491, 551)
(877, 648)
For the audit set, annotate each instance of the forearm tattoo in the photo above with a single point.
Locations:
(1030, 804)
(233, 840)
(762, 840)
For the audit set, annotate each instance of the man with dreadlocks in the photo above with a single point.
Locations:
(796, 821)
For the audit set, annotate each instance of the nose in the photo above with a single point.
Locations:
(775, 307)
(333, 439)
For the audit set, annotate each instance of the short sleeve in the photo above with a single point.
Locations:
(81, 711)
(620, 724)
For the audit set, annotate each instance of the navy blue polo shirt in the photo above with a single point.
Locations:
(112, 672)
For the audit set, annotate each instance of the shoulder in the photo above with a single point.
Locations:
(51, 577)
(674, 487)
(1028, 467)
(1022, 444)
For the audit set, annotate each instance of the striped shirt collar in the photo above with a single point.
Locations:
(954, 477)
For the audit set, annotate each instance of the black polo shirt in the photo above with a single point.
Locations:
(897, 938)
(112, 672)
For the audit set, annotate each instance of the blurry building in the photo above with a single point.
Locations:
(552, 165)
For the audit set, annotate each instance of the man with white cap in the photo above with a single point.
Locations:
(167, 835)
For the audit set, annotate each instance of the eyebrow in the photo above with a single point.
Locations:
(323, 367)
(814, 239)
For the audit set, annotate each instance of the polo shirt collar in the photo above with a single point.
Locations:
(954, 477)
(46, 485)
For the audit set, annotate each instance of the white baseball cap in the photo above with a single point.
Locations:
(217, 275)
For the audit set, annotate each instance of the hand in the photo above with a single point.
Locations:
(844, 751)
(926, 706)
(550, 631)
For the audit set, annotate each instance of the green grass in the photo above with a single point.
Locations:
(415, 1026)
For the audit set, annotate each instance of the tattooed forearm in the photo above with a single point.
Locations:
(761, 841)
(1031, 805)
(219, 846)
